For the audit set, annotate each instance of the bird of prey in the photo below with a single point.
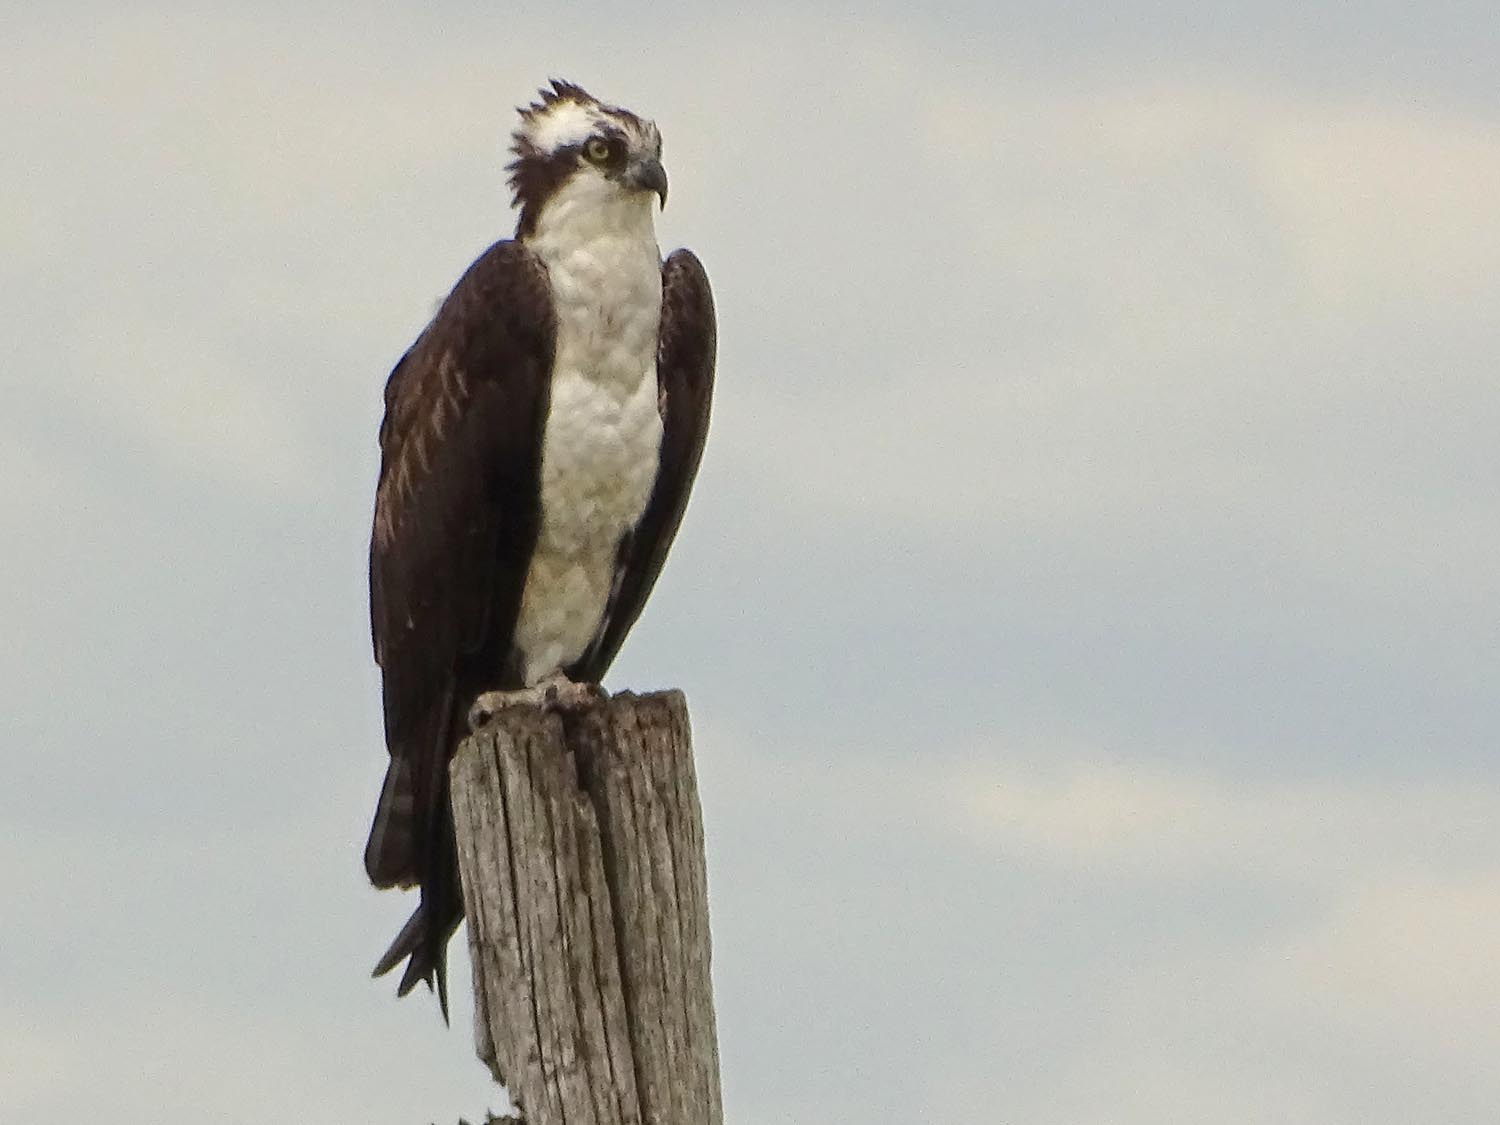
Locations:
(539, 441)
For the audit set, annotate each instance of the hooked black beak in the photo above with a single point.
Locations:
(647, 174)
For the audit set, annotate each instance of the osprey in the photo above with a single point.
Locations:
(539, 442)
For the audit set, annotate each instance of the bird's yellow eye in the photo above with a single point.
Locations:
(597, 150)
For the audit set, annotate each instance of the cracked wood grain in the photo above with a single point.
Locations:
(581, 852)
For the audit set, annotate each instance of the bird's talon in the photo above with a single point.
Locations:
(573, 695)
(479, 714)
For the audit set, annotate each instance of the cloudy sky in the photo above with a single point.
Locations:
(1089, 605)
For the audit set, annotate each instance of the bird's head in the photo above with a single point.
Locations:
(571, 146)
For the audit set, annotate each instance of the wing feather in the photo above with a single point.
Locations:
(455, 524)
(456, 500)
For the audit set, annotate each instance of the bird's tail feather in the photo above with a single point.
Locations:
(411, 843)
(390, 853)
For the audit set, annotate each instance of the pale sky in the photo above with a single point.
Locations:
(1088, 607)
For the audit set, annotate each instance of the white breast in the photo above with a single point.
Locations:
(602, 438)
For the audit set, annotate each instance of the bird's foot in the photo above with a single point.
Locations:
(563, 694)
(557, 693)
(491, 703)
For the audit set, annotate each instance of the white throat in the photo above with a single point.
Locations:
(589, 210)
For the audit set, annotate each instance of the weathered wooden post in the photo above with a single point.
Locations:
(580, 843)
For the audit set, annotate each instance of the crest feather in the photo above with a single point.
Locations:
(558, 109)
(561, 90)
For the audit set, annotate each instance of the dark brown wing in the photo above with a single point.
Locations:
(686, 343)
(455, 524)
